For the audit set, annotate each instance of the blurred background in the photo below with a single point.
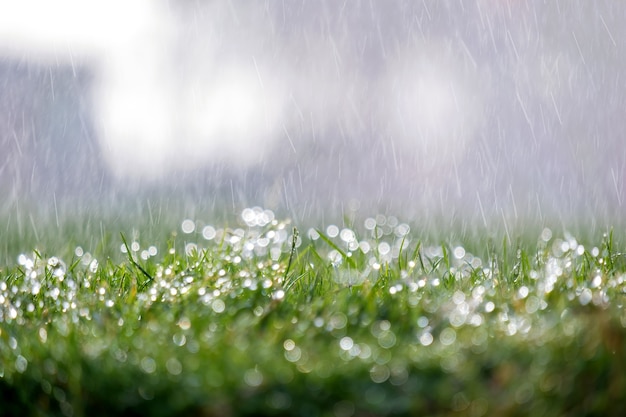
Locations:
(492, 113)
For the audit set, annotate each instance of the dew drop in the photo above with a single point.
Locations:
(447, 336)
(370, 223)
(426, 339)
(346, 343)
(209, 232)
(148, 365)
(313, 234)
(585, 297)
(253, 377)
(332, 231)
(384, 248)
(188, 226)
(294, 354)
(93, 266)
(43, 335)
(379, 373)
(173, 366)
(522, 292)
(179, 339)
(459, 252)
(347, 235)
(21, 364)
(218, 306)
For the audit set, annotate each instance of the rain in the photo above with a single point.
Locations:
(488, 114)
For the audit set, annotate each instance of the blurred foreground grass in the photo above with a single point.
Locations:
(258, 319)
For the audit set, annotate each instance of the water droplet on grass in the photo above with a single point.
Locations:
(458, 297)
(179, 339)
(346, 343)
(364, 246)
(21, 364)
(148, 365)
(596, 282)
(447, 336)
(335, 258)
(522, 292)
(459, 252)
(146, 393)
(347, 235)
(383, 249)
(379, 373)
(402, 230)
(209, 232)
(387, 339)
(546, 234)
(173, 366)
(532, 304)
(191, 249)
(294, 354)
(370, 223)
(35, 288)
(184, 323)
(585, 296)
(188, 226)
(93, 266)
(332, 231)
(253, 377)
(313, 234)
(338, 321)
(218, 306)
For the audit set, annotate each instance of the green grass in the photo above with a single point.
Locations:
(264, 319)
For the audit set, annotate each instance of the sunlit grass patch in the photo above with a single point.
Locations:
(262, 319)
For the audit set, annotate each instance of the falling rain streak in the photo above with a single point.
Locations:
(505, 113)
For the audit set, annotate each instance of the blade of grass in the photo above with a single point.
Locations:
(294, 240)
(400, 253)
(135, 264)
(417, 255)
(330, 243)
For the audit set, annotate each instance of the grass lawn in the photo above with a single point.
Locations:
(261, 318)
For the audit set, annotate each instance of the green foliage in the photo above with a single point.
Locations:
(258, 320)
